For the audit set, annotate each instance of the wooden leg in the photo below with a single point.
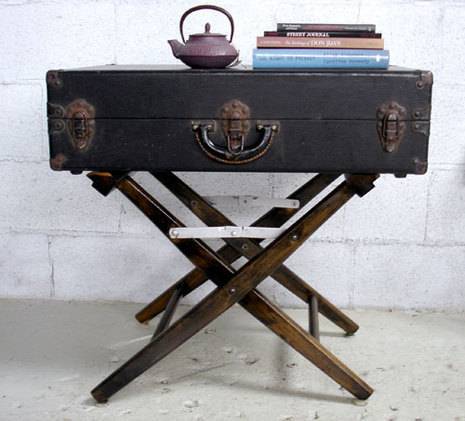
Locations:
(304, 343)
(169, 312)
(313, 322)
(234, 287)
(249, 248)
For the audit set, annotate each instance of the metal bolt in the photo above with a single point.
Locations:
(420, 84)
(294, 237)
(195, 127)
(193, 203)
(232, 290)
(234, 233)
(175, 233)
(274, 127)
(417, 114)
(259, 127)
(244, 246)
(417, 126)
(58, 125)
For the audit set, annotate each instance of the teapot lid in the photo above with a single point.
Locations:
(207, 33)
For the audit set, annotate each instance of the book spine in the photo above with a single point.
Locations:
(325, 27)
(308, 59)
(341, 34)
(302, 42)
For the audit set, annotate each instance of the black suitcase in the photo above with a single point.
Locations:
(162, 118)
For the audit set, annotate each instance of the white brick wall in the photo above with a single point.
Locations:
(401, 246)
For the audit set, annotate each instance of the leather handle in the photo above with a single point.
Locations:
(205, 6)
(235, 152)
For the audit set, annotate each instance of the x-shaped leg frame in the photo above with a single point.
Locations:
(236, 286)
(235, 248)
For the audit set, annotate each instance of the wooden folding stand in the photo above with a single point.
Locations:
(237, 286)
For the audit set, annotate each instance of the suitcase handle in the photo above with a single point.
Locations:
(235, 152)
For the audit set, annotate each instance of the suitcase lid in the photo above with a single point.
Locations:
(177, 92)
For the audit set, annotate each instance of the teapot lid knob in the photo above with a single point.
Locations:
(207, 28)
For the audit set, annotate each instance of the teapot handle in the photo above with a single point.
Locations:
(205, 6)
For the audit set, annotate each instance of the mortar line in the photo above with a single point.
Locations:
(141, 236)
(22, 160)
(115, 30)
(52, 267)
(352, 281)
(272, 180)
(359, 8)
(120, 217)
(429, 185)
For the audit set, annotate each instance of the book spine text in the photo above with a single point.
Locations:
(369, 59)
(283, 27)
(340, 34)
(302, 42)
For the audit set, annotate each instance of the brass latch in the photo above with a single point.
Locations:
(80, 123)
(235, 117)
(80, 129)
(391, 125)
(235, 123)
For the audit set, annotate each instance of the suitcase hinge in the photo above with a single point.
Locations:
(391, 125)
(81, 124)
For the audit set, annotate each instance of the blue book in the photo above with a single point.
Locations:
(277, 58)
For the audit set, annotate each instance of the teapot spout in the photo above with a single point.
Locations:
(176, 47)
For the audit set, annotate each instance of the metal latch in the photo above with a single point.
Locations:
(391, 125)
(235, 117)
(80, 129)
(235, 122)
(80, 123)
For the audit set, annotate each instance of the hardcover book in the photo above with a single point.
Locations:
(320, 58)
(283, 27)
(314, 34)
(308, 42)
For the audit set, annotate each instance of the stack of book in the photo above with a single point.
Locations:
(308, 45)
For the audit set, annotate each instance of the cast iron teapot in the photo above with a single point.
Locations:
(205, 50)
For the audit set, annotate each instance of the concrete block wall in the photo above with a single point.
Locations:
(402, 246)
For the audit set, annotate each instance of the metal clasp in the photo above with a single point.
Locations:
(235, 117)
(391, 125)
(80, 129)
(81, 124)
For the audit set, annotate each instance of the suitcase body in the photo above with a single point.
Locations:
(161, 118)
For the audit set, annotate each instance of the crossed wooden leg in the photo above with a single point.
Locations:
(235, 286)
(236, 248)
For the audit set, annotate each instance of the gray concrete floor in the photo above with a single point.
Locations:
(52, 353)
